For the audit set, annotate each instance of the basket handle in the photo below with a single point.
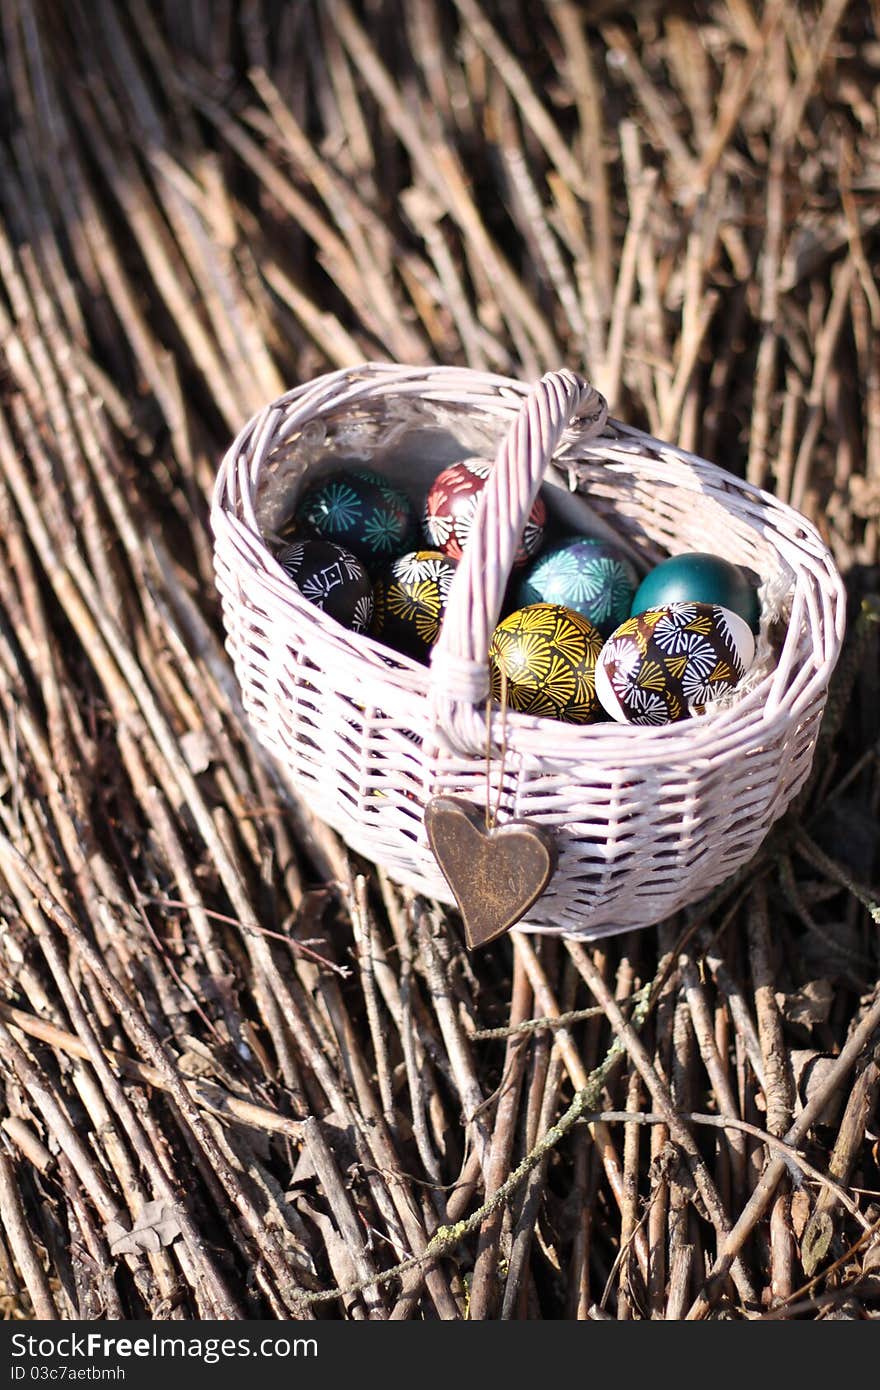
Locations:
(459, 668)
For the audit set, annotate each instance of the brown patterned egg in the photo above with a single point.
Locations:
(452, 502)
(660, 666)
(547, 654)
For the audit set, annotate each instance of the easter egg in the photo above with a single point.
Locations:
(660, 665)
(699, 578)
(362, 511)
(584, 574)
(548, 655)
(332, 578)
(452, 502)
(410, 600)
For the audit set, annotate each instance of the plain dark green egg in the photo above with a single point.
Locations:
(699, 578)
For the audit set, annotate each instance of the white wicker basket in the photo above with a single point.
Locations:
(645, 819)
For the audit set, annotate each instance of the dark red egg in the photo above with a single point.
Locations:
(452, 502)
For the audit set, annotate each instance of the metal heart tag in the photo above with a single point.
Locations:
(496, 875)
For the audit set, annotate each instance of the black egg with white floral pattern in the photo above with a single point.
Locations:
(332, 578)
(362, 511)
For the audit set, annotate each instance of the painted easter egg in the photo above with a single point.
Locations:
(332, 578)
(452, 502)
(362, 511)
(410, 600)
(699, 578)
(585, 574)
(548, 655)
(660, 665)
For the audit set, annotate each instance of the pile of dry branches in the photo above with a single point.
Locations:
(243, 1076)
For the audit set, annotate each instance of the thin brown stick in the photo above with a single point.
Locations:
(660, 1095)
(22, 1245)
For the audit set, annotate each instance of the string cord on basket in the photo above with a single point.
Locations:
(492, 812)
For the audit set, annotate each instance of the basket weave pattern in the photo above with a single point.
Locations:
(645, 819)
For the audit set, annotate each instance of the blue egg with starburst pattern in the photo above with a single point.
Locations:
(586, 575)
(360, 510)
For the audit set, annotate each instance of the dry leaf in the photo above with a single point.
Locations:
(809, 1006)
(871, 1259)
(156, 1226)
(810, 1070)
(816, 1242)
(801, 1206)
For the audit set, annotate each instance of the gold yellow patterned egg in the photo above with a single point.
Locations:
(548, 655)
(410, 601)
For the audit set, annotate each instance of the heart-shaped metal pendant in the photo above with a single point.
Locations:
(496, 875)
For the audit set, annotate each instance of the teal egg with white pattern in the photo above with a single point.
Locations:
(586, 575)
(363, 512)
